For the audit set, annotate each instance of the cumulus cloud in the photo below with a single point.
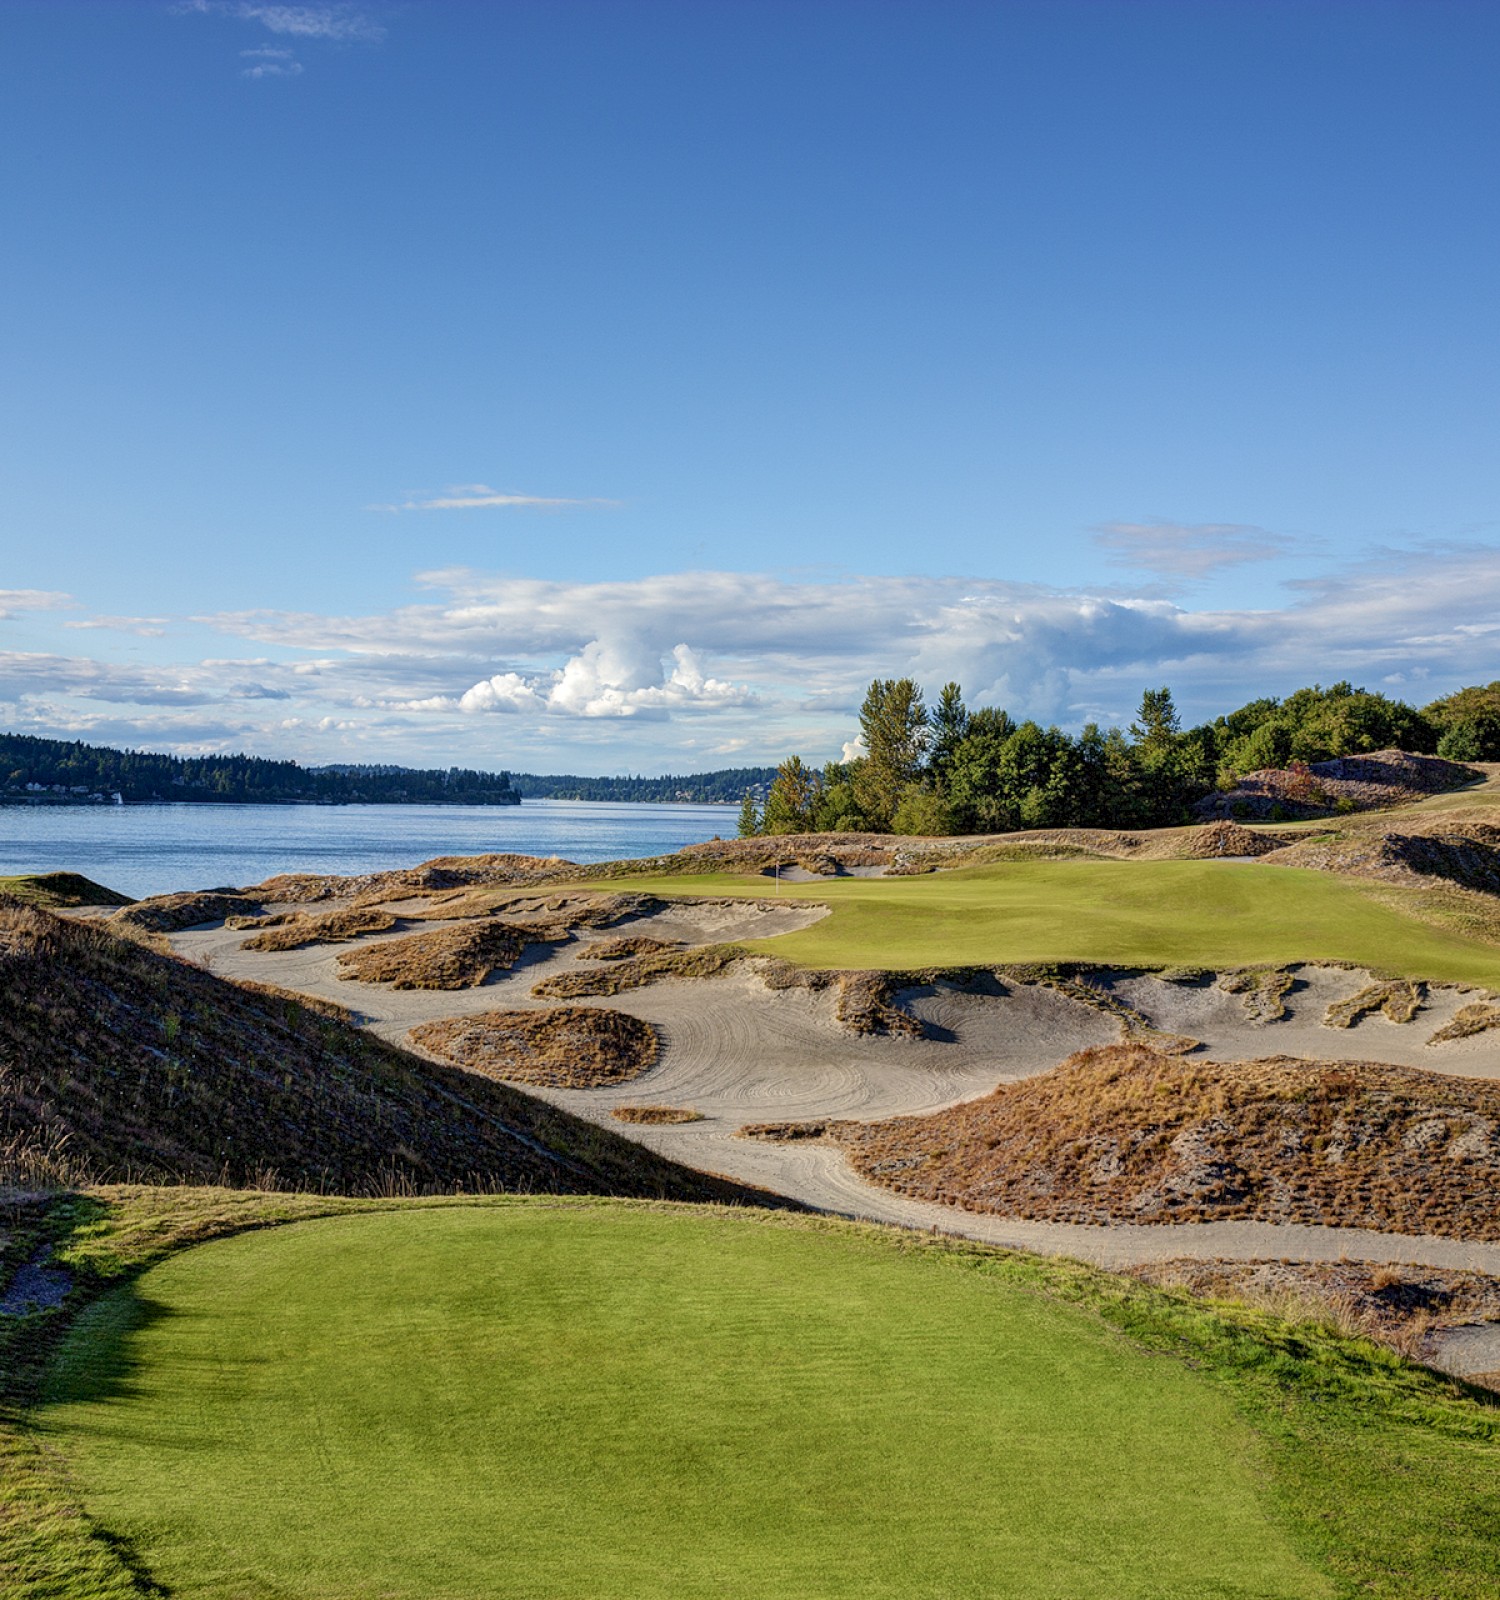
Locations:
(1188, 550)
(554, 675)
(480, 497)
(610, 678)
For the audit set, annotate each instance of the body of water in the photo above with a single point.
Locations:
(155, 849)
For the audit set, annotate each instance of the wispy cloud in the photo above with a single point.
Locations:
(1189, 550)
(144, 627)
(326, 24)
(479, 496)
(343, 24)
(269, 62)
(13, 601)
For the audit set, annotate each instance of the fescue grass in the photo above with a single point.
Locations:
(563, 1047)
(1132, 913)
(57, 891)
(1123, 1133)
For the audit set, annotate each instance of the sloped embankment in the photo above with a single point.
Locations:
(1127, 1134)
(117, 1062)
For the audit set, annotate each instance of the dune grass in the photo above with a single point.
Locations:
(1131, 913)
(480, 1401)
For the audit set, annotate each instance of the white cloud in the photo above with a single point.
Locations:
(1189, 550)
(658, 671)
(13, 601)
(480, 497)
(145, 627)
(271, 63)
(342, 24)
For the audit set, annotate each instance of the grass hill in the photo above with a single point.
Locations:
(117, 1062)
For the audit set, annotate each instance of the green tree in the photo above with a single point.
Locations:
(792, 803)
(837, 809)
(894, 729)
(1156, 724)
(749, 824)
(950, 722)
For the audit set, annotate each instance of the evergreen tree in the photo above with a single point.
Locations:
(893, 726)
(792, 802)
(749, 824)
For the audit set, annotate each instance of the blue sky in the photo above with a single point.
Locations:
(620, 386)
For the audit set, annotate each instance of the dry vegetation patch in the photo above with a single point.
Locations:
(636, 972)
(1075, 982)
(1396, 999)
(120, 1064)
(57, 891)
(1219, 839)
(1264, 990)
(1347, 783)
(1127, 1134)
(331, 927)
(656, 1116)
(565, 1047)
(1477, 1017)
(618, 948)
(168, 913)
(460, 957)
(1397, 1305)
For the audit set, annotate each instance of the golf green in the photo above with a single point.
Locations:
(1133, 913)
(528, 1399)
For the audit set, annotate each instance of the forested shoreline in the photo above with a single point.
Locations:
(951, 770)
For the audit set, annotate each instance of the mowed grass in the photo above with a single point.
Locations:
(1131, 913)
(559, 1401)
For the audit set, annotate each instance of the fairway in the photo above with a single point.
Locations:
(560, 1401)
(1130, 913)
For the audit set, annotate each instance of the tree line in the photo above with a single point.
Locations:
(948, 769)
(723, 787)
(30, 766)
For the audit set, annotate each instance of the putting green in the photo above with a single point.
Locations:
(552, 1401)
(1134, 913)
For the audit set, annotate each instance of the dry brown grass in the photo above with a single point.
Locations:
(116, 1063)
(866, 1003)
(1477, 1017)
(656, 1116)
(617, 949)
(167, 913)
(564, 1047)
(1395, 1305)
(460, 957)
(1397, 999)
(1264, 990)
(296, 1002)
(636, 972)
(1124, 1133)
(331, 927)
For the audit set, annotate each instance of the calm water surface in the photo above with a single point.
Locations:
(155, 849)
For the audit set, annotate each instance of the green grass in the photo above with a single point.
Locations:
(1133, 913)
(555, 1401)
(734, 1386)
(59, 890)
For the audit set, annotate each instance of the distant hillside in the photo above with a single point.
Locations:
(725, 787)
(57, 771)
(118, 1063)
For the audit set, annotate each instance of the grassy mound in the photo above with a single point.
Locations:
(116, 1062)
(167, 913)
(564, 1047)
(619, 1402)
(331, 927)
(461, 957)
(1127, 1134)
(656, 1116)
(59, 891)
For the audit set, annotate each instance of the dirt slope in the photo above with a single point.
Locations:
(117, 1062)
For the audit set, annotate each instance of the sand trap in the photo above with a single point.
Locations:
(738, 1052)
